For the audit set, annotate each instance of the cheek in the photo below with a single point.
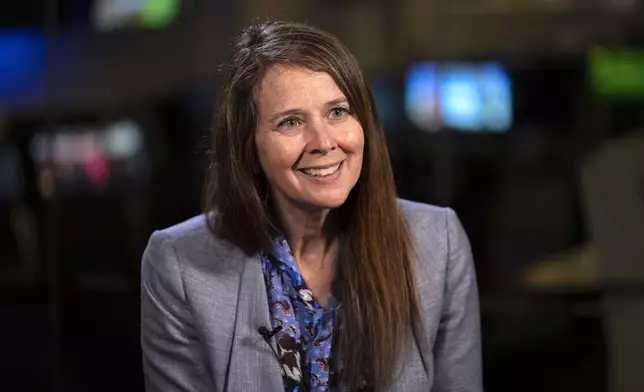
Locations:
(361, 142)
(355, 140)
(275, 153)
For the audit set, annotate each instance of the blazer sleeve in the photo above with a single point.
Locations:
(173, 360)
(457, 349)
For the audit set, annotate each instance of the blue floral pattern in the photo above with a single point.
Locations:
(304, 343)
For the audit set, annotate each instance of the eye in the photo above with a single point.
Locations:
(338, 112)
(290, 122)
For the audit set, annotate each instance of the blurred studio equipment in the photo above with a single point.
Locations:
(613, 182)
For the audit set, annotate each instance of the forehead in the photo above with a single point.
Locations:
(289, 86)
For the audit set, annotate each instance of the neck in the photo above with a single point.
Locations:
(310, 233)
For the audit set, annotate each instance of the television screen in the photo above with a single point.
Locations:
(617, 72)
(94, 157)
(22, 68)
(115, 14)
(468, 97)
(421, 96)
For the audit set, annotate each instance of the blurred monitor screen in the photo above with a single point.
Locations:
(94, 157)
(22, 64)
(12, 180)
(467, 97)
(115, 14)
(617, 72)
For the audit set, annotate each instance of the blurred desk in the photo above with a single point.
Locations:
(546, 333)
(564, 320)
(543, 341)
(573, 271)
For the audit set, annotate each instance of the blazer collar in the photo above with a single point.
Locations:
(252, 364)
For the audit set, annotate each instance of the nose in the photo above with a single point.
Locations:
(322, 140)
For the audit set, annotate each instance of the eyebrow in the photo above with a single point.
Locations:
(295, 111)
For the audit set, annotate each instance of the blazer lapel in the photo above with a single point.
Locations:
(253, 366)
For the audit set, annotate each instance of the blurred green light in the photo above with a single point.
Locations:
(618, 72)
(159, 13)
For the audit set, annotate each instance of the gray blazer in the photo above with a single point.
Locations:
(203, 300)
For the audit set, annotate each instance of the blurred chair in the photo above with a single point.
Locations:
(532, 213)
(613, 182)
(532, 223)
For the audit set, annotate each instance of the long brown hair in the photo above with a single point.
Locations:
(374, 278)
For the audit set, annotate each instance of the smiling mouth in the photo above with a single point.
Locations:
(321, 172)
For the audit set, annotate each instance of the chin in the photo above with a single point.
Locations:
(327, 201)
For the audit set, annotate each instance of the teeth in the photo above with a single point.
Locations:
(321, 172)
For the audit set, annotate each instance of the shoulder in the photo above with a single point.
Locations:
(193, 236)
(430, 223)
(424, 215)
(190, 251)
(190, 236)
(193, 231)
(438, 237)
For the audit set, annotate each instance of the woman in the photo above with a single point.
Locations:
(306, 273)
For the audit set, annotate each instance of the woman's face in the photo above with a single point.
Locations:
(309, 142)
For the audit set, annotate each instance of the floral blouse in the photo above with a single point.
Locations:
(304, 343)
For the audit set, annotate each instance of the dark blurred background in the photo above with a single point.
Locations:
(525, 116)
